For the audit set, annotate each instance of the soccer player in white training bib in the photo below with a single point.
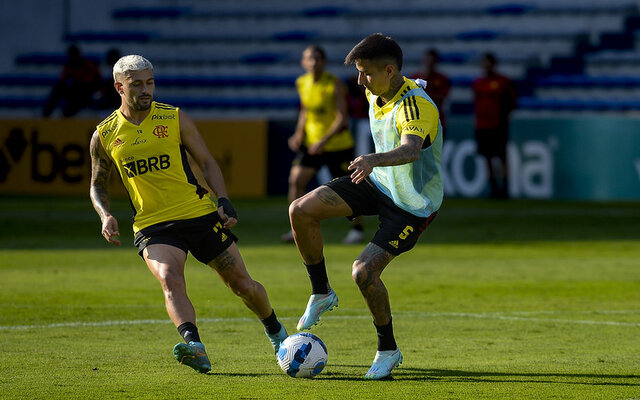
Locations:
(401, 183)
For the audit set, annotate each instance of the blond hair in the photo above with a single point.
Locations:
(131, 62)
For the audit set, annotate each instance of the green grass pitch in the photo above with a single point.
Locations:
(499, 300)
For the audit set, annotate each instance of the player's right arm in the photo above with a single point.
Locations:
(295, 141)
(101, 167)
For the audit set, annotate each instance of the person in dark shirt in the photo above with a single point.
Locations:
(438, 84)
(495, 98)
(79, 80)
(108, 97)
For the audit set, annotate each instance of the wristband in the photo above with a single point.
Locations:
(228, 208)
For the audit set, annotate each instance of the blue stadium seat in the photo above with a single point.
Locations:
(118, 36)
(325, 11)
(26, 80)
(150, 12)
(510, 9)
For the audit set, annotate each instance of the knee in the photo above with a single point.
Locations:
(171, 281)
(294, 179)
(361, 274)
(297, 210)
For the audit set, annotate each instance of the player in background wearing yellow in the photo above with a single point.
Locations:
(401, 183)
(147, 143)
(322, 136)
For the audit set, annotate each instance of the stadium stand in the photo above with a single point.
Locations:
(241, 58)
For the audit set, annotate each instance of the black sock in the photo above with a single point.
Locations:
(271, 323)
(318, 276)
(189, 332)
(386, 341)
(358, 227)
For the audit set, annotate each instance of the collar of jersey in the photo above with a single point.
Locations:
(151, 110)
(381, 111)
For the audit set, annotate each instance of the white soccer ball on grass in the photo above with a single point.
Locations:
(302, 355)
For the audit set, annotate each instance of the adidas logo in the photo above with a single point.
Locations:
(224, 237)
(394, 243)
(117, 142)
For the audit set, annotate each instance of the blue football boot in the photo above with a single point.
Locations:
(383, 363)
(193, 355)
(277, 338)
(318, 304)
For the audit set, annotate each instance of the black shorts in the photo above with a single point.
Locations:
(203, 236)
(336, 161)
(399, 230)
(492, 142)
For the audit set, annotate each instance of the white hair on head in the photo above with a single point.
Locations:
(131, 62)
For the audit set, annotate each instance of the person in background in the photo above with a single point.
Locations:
(494, 98)
(79, 81)
(109, 98)
(322, 136)
(438, 84)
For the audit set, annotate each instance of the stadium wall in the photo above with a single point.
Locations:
(51, 157)
(585, 158)
(582, 158)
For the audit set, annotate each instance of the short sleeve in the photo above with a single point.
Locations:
(418, 116)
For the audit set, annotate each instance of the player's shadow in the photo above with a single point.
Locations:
(243, 374)
(447, 375)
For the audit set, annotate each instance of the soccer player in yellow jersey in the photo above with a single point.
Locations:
(322, 136)
(147, 143)
(401, 183)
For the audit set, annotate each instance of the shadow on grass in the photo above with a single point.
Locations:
(445, 375)
(242, 374)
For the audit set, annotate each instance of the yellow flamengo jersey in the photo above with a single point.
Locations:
(152, 163)
(416, 115)
(319, 101)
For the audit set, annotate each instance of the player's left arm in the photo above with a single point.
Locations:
(413, 133)
(340, 121)
(197, 148)
(407, 152)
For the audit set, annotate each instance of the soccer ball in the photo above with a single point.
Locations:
(302, 355)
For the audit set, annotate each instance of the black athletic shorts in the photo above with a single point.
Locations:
(399, 230)
(336, 161)
(203, 236)
(492, 142)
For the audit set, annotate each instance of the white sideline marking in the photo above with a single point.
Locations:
(499, 316)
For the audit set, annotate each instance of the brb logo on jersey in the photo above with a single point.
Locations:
(161, 131)
(140, 167)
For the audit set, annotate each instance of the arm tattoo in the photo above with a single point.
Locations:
(224, 262)
(408, 151)
(328, 196)
(100, 174)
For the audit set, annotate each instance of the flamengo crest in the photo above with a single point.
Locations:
(161, 131)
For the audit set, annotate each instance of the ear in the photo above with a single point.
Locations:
(390, 69)
(118, 86)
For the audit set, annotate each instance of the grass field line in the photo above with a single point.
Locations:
(498, 316)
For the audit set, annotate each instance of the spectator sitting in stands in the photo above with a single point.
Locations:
(438, 85)
(78, 82)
